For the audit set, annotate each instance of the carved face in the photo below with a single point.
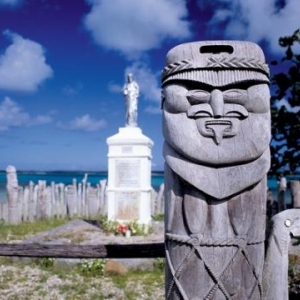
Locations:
(217, 125)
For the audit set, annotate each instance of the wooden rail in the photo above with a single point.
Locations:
(84, 251)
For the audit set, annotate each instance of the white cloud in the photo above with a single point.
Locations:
(134, 26)
(85, 123)
(257, 20)
(23, 65)
(41, 119)
(13, 115)
(10, 2)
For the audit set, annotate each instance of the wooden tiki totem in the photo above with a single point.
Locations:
(216, 125)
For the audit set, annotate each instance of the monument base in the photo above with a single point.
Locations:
(129, 176)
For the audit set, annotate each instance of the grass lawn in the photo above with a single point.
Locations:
(43, 278)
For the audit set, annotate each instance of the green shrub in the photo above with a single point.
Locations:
(160, 263)
(91, 267)
(294, 276)
(45, 262)
(158, 217)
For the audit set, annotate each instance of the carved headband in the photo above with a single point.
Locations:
(220, 56)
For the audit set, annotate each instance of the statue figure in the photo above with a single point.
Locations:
(131, 93)
(283, 226)
(216, 125)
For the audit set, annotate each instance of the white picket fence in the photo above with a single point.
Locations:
(39, 201)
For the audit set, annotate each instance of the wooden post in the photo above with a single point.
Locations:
(154, 201)
(53, 200)
(216, 125)
(4, 212)
(75, 199)
(48, 204)
(92, 202)
(295, 192)
(35, 201)
(103, 203)
(12, 189)
(282, 185)
(25, 204)
(79, 197)
(62, 201)
(70, 194)
(20, 204)
(42, 200)
(31, 205)
(84, 196)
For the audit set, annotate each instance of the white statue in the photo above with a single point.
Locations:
(131, 93)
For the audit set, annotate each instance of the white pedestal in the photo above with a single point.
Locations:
(129, 176)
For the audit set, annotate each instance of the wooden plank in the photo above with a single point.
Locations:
(84, 251)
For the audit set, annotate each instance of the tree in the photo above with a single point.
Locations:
(285, 144)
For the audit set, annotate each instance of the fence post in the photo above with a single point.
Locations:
(282, 185)
(41, 200)
(103, 203)
(84, 196)
(25, 203)
(295, 192)
(12, 188)
(4, 212)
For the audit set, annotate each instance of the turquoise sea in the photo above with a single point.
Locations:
(66, 177)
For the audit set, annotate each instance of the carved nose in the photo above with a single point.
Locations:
(217, 103)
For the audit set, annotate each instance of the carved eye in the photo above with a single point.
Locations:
(198, 96)
(235, 96)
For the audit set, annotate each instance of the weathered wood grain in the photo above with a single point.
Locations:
(295, 192)
(283, 225)
(216, 125)
(83, 251)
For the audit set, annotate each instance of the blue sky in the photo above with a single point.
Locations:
(63, 65)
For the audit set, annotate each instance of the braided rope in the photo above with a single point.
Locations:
(195, 239)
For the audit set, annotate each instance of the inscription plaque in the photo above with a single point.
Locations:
(127, 205)
(128, 172)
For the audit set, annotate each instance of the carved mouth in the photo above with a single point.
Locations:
(218, 128)
(225, 123)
